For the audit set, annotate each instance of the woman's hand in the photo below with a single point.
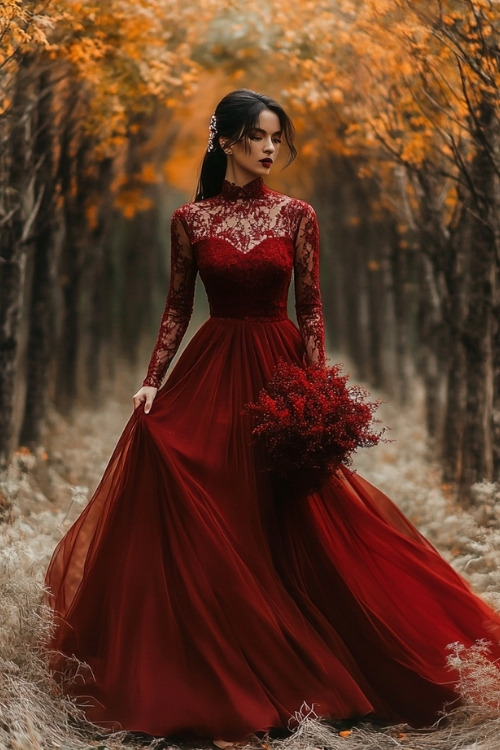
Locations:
(145, 395)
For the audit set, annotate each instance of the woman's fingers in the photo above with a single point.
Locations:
(149, 402)
(145, 395)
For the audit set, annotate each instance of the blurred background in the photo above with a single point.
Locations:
(104, 113)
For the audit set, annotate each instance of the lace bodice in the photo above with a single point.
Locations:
(245, 243)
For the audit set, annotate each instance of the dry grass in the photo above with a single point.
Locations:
(41, 494)
(461, 731)
(33, 713)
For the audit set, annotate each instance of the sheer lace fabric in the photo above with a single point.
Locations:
(245, 244)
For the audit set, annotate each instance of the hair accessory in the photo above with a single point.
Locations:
(212, 133)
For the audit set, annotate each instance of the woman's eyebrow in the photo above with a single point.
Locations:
(261, 130)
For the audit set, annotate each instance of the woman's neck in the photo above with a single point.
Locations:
(238, 177)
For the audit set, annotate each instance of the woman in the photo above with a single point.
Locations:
(204, 608)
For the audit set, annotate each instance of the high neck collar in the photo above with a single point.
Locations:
(253, 189)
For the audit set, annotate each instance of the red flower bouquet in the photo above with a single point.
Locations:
(309, 422)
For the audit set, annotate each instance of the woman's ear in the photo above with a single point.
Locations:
(223, 142)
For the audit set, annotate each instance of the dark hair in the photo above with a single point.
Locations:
(235, 116)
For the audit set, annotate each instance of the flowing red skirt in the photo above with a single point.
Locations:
(207, 607)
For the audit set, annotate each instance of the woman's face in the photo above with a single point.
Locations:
(254, 155)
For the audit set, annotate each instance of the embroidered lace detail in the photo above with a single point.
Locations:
(254, 189)
(244, 217)
(178, 307)
(245, 243)
(308, 305)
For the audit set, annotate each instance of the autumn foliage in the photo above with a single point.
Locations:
(397, 111)
(408, 94)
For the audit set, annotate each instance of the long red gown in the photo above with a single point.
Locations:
(204, 607)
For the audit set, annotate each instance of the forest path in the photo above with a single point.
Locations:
(50, 489)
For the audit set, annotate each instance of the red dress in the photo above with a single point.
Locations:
(204, 607)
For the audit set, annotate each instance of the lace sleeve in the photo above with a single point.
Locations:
(307, 290)
(178, 307)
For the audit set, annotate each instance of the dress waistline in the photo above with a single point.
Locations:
(252, 318)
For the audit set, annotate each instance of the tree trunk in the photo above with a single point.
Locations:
(100, 288)
(496, 361)
(71, 264)
(478, 340)
(496, 336)
(457, 275)
(453, 427)
(480, 324)
(496, 386)
(404, 302)
(377, 302)
(19, 210)
(432, 351)
(41, 315)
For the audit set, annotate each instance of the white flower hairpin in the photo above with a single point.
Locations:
(212, 133)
